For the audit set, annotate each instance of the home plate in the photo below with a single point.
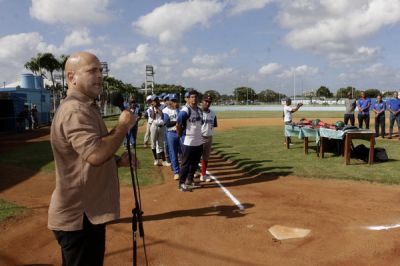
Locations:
(281, 232)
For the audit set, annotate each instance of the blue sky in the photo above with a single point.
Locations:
(214, 44)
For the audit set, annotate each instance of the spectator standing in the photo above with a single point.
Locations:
(157, 132)
(379, 108)
(394, 110)
(148, 124)
(34, 113)
(363, 105)
(288, 110)
(350, 105)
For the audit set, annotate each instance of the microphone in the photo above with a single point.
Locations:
(117, 100)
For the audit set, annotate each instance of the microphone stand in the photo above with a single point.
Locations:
(137, 220)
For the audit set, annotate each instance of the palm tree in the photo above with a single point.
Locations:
(51, 64)
(62, 61)
(32, 65)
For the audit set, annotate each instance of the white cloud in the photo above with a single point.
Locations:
(212, 59)
(79, 37)
(140, 55)
(208, 73)
(74, 12)
(302, 70)
(169, 62)
(170, 21)
(240, 6)
(269, 69)
(16, 50)
(334, 28)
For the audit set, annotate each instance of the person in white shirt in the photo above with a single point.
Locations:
(207, 130)
(148, 124)
(288, 111)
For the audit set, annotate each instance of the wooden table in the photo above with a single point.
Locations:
(359, 135)
(348, 137)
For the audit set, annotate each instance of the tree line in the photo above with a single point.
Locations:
(46, 63)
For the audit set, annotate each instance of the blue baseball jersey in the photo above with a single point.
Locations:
(394, 104)
(363, 103)
(379, 106)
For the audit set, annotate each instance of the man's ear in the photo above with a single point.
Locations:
(71, 77)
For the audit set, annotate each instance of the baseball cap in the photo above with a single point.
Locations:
(148, 98)
(207, 98)
(166, 97)
(186, 94)
(172, 97)
(154, 97)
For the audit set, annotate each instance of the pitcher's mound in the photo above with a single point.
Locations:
(281, 232)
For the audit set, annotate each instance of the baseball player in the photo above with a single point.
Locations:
(207, 129)
(148, 124)
(170, 116)
(157, 132)
(189, 124)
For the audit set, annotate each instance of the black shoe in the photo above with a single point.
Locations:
(390, 137)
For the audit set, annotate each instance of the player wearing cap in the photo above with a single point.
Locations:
(207, 130)
(189, 125)
(148, 124)
(157, 132)
(170, 116)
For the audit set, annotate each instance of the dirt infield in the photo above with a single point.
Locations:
(205, 227)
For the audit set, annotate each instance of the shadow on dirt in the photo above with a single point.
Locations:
(227, 211)
(29, 152)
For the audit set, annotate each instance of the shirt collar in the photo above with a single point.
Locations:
(81, 97)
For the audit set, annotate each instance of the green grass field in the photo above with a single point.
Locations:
(260, 150)
(8, 209)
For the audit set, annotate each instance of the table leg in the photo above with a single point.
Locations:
(287, 142)
(347, 143)
(371, 149)
(321, 147)
(306, 145)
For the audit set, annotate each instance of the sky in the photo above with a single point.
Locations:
(290, 46)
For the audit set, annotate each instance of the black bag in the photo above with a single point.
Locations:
(380, 155)
(334, 146)
(360, 152)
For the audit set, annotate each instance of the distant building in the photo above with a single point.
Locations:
(28, 92)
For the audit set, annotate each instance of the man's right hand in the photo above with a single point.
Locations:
(127, 120)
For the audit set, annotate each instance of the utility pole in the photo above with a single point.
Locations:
(294, 85)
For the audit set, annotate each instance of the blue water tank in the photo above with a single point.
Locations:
(27, 81)
(39, 82)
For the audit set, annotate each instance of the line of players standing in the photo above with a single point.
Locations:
(379, 107)
(179, 137)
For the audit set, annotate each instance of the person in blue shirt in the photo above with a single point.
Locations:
(394, 109)
(363, 105)
(132, 134)
(379, 108)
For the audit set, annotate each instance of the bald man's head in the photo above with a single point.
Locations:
(84, 73)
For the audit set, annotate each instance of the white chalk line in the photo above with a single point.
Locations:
(382, 227)
(226, 191)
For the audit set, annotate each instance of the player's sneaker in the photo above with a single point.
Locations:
(193, 185)
(155, 162)
(165, 163)
(206, 178)
(184, 188)
(176, 177)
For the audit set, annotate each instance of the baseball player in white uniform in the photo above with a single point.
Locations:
(207, 130)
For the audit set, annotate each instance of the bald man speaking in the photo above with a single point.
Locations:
(86, 195)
